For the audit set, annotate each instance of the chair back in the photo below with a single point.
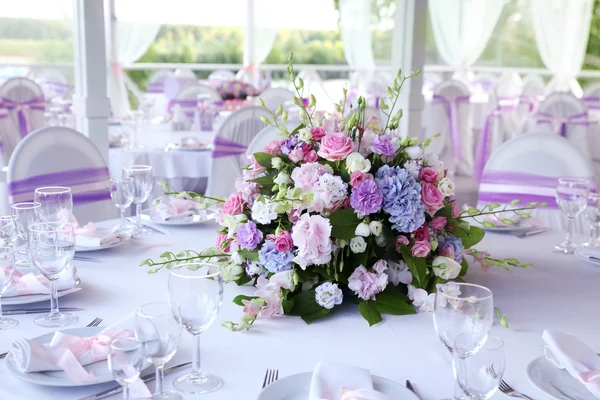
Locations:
(59, 156)
(275, 97)
(221, 75)
(156, 81)
(53, 83)
(266, 136)
(187, 99)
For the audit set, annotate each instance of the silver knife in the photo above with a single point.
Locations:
(146, 378)
(38, 310)
(410, 387)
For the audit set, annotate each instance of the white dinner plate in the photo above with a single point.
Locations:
(60, 378)
(36, 298)
(81, 249)
(296, 387)
(201, 217)
(586, 258)
(556, 383)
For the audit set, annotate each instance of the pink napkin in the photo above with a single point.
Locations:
(25, 284)
(89, 236)
(171, 209)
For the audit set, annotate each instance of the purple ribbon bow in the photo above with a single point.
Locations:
(452, 111)
(562, 122)
(224, 148)
(35, 103)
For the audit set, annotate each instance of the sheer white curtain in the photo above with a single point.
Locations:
(561, 30)
(355, 19)
(462, 29)
(131, 42)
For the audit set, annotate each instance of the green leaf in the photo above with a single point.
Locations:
(393, 301)
(488, 224)
(305, 304)
(250, 255)
(308, 318)
(417, 266)
(264, 159)
(515, 201)
(238, 299)
(369, 311)
(508, 221)
(469, 237)
(242, 280)
(525, 216)
(503, 319)
(343, 224)
(493, 206)
(287, 304)
(472, 211)
(264, 180)
(465, 267)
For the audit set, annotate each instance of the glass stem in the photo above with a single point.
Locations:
(123, 219)
(160, 376)
(593, 234)
(0, 307)
(138, 214)
(570, 230)
(53, 300)
(196, 356)
(126, 392)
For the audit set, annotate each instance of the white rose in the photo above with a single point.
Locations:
(446, 186)
(232, 272)
(433, 161)
(304, 135)
(375, 227)
(356, 162)
(276, 162)
(237, 258)
(282, 179)
(446, 268)
(414, 152)
(362, 229)
(358, 244)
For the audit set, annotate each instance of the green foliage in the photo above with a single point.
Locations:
(343, 224)
(370, 312)
(393, 301)
(238, 299)
(417, 267)
(306, 307)
(470, 237)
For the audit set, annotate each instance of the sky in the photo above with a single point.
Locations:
(283, 14)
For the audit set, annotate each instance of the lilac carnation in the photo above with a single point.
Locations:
(366, 284)
(273, 259)
(401, 198)
(383, 145)
(289, 145)
(366, 198)
(249, 236)
(455, 243)
(254, 269)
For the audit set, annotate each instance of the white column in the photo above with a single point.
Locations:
(250, 57)
(409, 54)
(90, 101)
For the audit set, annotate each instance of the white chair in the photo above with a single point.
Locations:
(185, 73)
(156, 81)
(187, 99)
(484, 82)
(520, 169)
(221, 75)
(451, 117)
(591, 96)
(230, 145)
(22, 103)
(266, 136)
(58, 156)
(53, 83)
(275, 97)
(533, 92)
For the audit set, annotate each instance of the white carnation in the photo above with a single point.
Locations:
(328, 295)
(433, 161)
(413, 168)
(445, 267)
(304, 135)
(362, 229)
(358, 244)
(375, 227)
(446, 186)
(356, 162)
(263, 212)
(414, 152)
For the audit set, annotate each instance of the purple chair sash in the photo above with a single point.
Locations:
(188, 106)
(155, 87)
(224, 148)
(531, 102)
(505, 186)
(452, 110)
(35, 103)
(562, 122)
(592, 102)
(87, 185)
(483, 146)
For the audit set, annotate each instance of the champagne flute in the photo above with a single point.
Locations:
(592, 216)
(7, 271)
(125, 361)
(51, 246)
(120, 193)
(195, 296)
(160, 332)
(143, 183)
(8, 230)
(56, 204)
(25, 215)
(571, 196)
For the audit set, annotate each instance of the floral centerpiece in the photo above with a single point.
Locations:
(230, 90)
(342, 209)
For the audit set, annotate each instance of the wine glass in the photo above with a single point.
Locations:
(125, 361)
(592, 216)
(195, 296)
(25, 215)
(478, 375)
(160, 332)
(143, 182)
(51, 246)
(571, 196)
(56, 204)
(120, 193)
(8, 230)
(7, 271)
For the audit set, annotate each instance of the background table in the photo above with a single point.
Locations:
(560, 292)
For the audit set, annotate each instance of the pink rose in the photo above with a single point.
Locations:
(431, 197)
(400, 241)
(429, 175)
(455, 210)
(447, 251)
(421, 249)
(283, 242)
(317, 133)
(273, 148)
(359, 176)
(422, 233)
(311, 156)
(220, 239)
(234, 205)
(336, 146)
(438, 223)
(296, 155)
(311, 235)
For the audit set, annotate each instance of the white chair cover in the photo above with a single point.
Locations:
(430, 81)
(591, 96)
(185, 73)
(275, 97)
(53, 83)
(230, 145)
(155, 90)
(484, 82)
(187, 99)
(58, 156)
(451, 117)
(266, 136)
(513, 172)
(22, 104)
(221, 75)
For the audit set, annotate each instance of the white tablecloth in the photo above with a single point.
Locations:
(560, 292)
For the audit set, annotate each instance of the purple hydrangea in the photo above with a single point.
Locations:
(249, 236)
(366, 198)
(273, 259)
(383, 145)
(453, 242)
(401, 198)
(289, 145)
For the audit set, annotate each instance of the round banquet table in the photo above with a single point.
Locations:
(559, 292)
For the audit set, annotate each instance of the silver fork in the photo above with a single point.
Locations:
(270, 376)
(509, 391)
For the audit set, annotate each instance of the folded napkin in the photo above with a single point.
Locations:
(332, 381)
(568, 352)
(89, 236)
(25, 284)
(589, 252)
(172, 209)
